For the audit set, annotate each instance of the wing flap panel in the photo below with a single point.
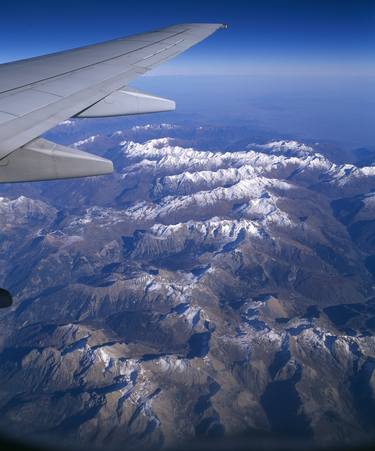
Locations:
(25, 101)
(128, 101)
(5, 117)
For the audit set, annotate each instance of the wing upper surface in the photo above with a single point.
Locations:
(37, 94)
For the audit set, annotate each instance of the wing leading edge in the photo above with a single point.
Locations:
(39, 93)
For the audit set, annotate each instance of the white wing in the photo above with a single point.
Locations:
(38, 93)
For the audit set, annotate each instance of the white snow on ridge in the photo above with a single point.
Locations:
(217, 232)
(244, 190)
(284, 146)
(22, 209)
(86, 141)
(67, 123)
(181, 170)
(214, 228)
(187, 182)
(100, 216)
(148, 127)
(348, 173)
(105, 356)
(170, 157)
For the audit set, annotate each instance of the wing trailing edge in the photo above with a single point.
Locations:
(44, 160)
(128, 101)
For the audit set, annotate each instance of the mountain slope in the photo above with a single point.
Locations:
(194, 293)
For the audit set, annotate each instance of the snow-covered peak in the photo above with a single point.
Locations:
(170, 156)
(22, 210)
(67, 123)
(86, 141)
(290, 147)
(148, 127)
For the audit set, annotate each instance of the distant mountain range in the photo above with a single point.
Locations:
(199, 291)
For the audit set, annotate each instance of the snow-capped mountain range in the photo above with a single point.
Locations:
(223, 286)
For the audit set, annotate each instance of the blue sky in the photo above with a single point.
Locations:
(265, 36)
(299, 67)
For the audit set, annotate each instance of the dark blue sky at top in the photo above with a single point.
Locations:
(263, 35)
(300, 67)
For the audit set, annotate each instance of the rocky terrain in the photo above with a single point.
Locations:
(195, 293)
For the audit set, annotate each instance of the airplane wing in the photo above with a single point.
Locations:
(38, 93)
